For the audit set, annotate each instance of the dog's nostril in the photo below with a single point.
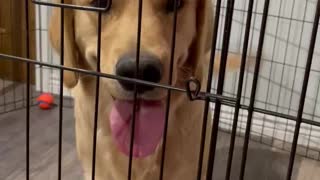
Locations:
(150, 69)
(125, 69)
(151, 72)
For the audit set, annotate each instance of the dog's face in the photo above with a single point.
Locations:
(119, 41)
(119, 30)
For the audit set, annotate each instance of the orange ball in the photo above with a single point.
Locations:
(45, 101)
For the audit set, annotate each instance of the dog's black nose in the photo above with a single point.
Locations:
(150, 69)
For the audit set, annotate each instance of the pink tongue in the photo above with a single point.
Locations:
(149, 124)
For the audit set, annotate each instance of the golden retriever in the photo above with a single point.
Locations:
(118, 52)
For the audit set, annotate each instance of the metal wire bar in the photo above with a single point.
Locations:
(227, 103)
(313, 112)
(208, 90)
(296, 65)
(196, 94)
(135, 89)
(269, 126)
(275, 16)
(222, 68)
(97, 95)
(212, 97)
(240, 85)
(11, 103)
(168, 100)
(285, 59)
(281, 39)
(246, 86)
(276, 114)
(13, 110)
(94, 73)
(50, 56)
(271, 69)
(70, 6)
(304, 91)
(254, 88)
(14, 84)
(23, 94)
(4, 95)
(27, 93)
(40, 45)
(61, 90)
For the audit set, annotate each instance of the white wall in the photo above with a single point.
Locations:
(279, 86)
(47, 79)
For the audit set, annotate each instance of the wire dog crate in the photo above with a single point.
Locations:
(275, 103)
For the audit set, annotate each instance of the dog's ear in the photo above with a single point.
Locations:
(71, 54)
(202, 42)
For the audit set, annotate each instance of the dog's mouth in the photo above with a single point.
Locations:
(149, 126)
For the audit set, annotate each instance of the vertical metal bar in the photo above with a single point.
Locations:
(3, 80)
(24, 100)
(222, 68)
(240, 85)
(135, 89)
(168, 100)
(304, 91)
(246, 87)
(209, 86)
(96, 106)
(3, 95)
(50, 87)
(242, 23)
(15, 100)
(234, 83)
(27, 93)
(270, 74)
(254, 88)
(40, 49)
(313, 117)
(61, 90)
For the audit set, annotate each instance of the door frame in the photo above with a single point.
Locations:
(13, 39)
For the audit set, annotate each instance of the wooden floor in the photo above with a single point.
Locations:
(263, 163)
(43, 146)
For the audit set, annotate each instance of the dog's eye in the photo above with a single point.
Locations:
(101, 3)
(172, 3)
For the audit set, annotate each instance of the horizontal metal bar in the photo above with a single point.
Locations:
(90, 72)
(24, 107)
(213, 97)
(93, 73)
(70, 6)
(276, 114)
(271, 15)
(197, 95)
(15, 109)
(12, 103)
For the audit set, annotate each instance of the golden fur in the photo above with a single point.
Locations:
(119, 37)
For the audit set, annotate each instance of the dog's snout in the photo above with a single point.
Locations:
(150, 69)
